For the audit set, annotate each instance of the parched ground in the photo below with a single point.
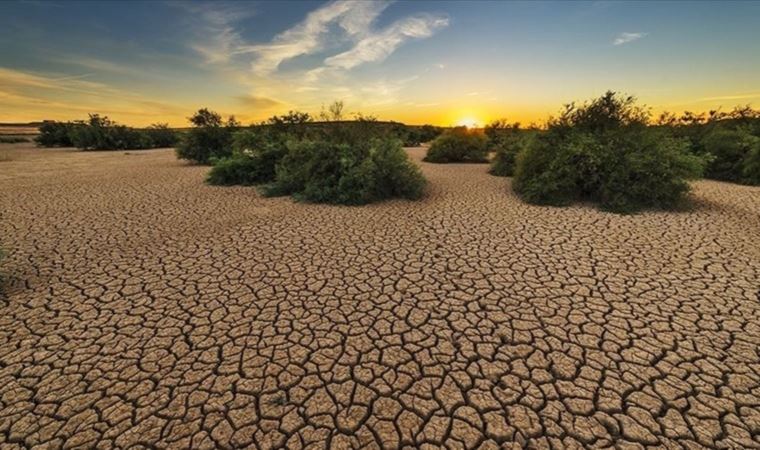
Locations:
(147, 309)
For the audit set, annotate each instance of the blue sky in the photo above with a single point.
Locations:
(422, 61)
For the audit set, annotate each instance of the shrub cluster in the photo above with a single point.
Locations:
(604, 152)
(256, 153)
(730, 140)
(339, 162)
(458, 145)
(324, 171)
(55, 134)
(209, 139)
(101, 133)
(506, 140)
(414, 136)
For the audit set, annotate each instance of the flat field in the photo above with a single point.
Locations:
(144, 308)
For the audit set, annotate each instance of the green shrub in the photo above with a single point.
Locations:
(161, 136)
(209, 139)
(237, 169)
(101, 133)
(55, 134)
(323, 171)
(751, 166)
(505, 156)
(256, 154)
(603, 152)
(414, 136)
(506, 140)
(734, 153)
(458, 145)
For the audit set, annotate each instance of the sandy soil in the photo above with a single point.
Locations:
(144, 308)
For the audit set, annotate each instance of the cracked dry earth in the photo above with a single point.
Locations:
(145, 309)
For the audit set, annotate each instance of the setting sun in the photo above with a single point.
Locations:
(468, 122)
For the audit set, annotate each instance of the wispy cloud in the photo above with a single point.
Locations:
(217, 22)
(337, 22)
(625, 38)
(58, 96)
(376, 46)
(731, 97)
(310, 36)
(251, 101)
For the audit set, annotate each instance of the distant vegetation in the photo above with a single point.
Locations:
(101, 133)
(458, 145)
(255, 155)
(12, 139)
(337, 161)
(604, 152)
(506, 140)
(210, 138)
(730, 140)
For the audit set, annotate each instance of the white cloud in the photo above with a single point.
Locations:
(378, 45)
(309, 36)
(217, 23)
(317, 32)
(624, 38)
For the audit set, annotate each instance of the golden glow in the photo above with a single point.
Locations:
(469, 122)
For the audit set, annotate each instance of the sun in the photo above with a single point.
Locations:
(469, 122)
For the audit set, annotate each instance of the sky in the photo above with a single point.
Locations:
(445, 63)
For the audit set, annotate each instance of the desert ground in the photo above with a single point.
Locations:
(144, 308)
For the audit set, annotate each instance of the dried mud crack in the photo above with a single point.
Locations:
(147, 309)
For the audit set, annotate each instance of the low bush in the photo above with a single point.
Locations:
(336, 172)
(55, 134)
(414, 136)
(505, 155)
(236, 170)
(101, 133)
(458, 145)
(604, 152)
(256, 154)
(506, 140)
(734, 155)
(12, 140)
(209, 139)
(161, 136)
(729, 139)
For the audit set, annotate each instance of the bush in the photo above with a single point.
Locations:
(55, 134)
(603, 152)
(325, 171)
(458, 145)
(505, 156)
(728, 138)
(101, 133)
(161, 136)
(209, 139)
(506, 140)
(414, 136)
(237, 169)
(256, 154)
(734, 153)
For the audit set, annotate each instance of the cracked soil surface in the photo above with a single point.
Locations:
(143, 308)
